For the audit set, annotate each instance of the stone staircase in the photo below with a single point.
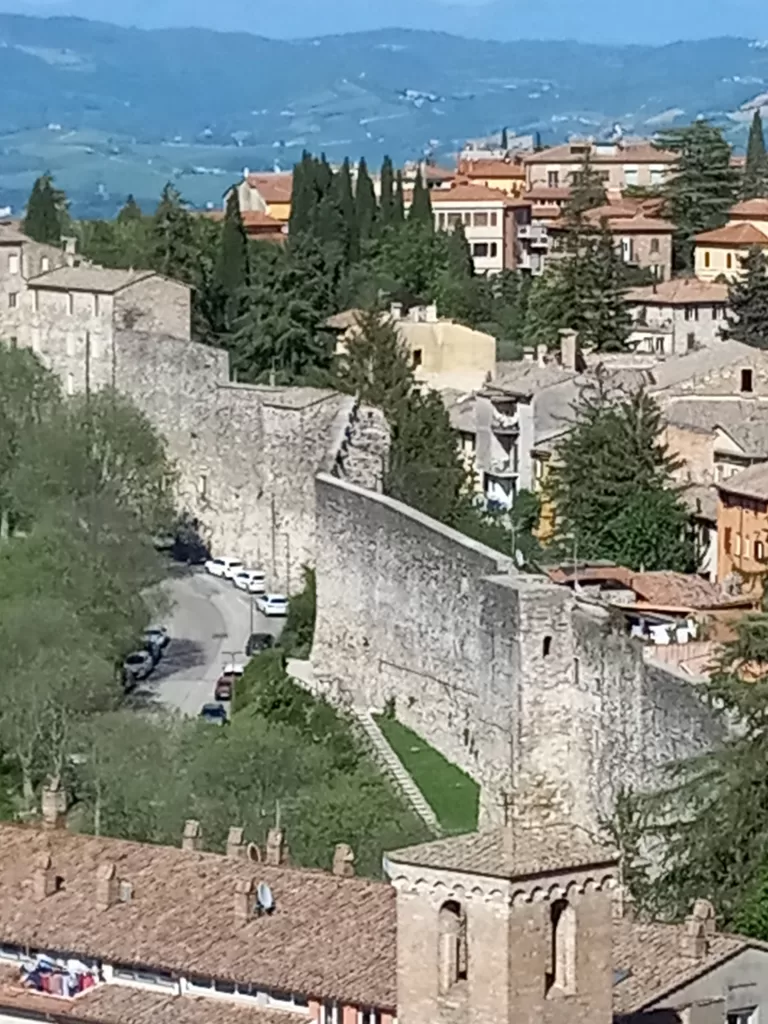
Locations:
(388, 760)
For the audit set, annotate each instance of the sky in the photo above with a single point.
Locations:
(600, 21)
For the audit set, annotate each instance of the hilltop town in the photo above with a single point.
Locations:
(382, 566)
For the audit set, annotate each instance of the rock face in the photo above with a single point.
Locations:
(533, 692)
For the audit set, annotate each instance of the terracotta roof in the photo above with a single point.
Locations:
(751, 483)
(89, 279)
(627, 153)
(733, 234)
(750, 208)
(492, 169)
(676, 588)
(679, 291)
(468, 192)
(544, 193)
(533, 852)
(432, 172)
(328, 937)
(273, 187)
(250, 218)
(117, 1004)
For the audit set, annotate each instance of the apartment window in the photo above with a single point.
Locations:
(480, 249)
(627, 250)
(746, 381)
(13, 263)
(467, 220)
(657, 175)
(631, 176)
(655, 245)
(743, 1016)
(727, 533)
(659, 344)
(13, 298)
(546, 646)
(481, 220)
(368, 1017)
(454, 219)
(737, 545)
(95, 305)
(441, 221)
(691, 312)
(690, 341)
(329, 1014)
(45, 265)
(70, 303)
(493, 219)
(143, 979)
(494, 249)
(707, 257)
(759, 551)
(416, 358)
(717, 312)
(553, 179)
(729, 261)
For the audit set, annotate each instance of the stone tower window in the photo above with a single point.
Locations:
(452, 946)
(561, 976)
(546, 647)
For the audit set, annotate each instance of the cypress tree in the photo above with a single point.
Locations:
(365, 202)
(43, 218)
(303, 199)
(421, 205)
(231, 274)
(460, 263)
(346, 204)
(387, 205)
(748, 302)
(398, 210)
(130, 212)
(755, 182)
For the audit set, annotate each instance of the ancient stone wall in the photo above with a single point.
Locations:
(155, 305)
(534, 693)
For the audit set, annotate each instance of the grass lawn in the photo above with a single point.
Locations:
(451, 794)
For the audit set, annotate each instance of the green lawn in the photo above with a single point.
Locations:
(451, 794)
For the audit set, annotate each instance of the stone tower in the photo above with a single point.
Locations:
(505, 927)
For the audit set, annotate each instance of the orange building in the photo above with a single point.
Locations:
(507, 175)
(742, 526)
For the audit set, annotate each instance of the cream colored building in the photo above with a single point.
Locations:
(268, 193)
(620, 164)
(719, 253)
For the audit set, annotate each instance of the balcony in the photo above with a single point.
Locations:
(536, 234)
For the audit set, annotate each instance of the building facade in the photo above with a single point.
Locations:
(742, 528)
(621, 164)
(719, 254)
(268, 193)
(675, 316)
(504, 173)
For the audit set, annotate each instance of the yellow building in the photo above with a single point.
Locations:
(719, 253)
(506, 175)
(268, 193)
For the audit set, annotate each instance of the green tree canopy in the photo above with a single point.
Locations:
(755, 181)
(387, 192)
(747, 315)
(587, 188)
(421, 205)
(43, 220)
(131, 211)
(231, 275)
(367, 210)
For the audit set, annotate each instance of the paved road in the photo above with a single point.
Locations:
(209, 624)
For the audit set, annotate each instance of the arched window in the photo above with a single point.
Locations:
(561, 976)
(452, 946)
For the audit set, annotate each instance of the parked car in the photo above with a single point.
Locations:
(223, 567)
(156, 639)
(246, 577)
(273, 604)
(139, 664)
(259, 642)
(225, 686)
(215, 714)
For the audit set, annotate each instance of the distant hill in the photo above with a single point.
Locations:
(111, 110)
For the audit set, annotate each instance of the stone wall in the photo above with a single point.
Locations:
(155, 305)
(532, 692)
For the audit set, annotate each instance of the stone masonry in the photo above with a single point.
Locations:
(536, 694)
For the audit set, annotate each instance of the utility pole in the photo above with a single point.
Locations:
(287, 564)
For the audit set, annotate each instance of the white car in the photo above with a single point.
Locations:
(233, 669)
(258, 583)
(156, 638)
(272, 604)
(246, 577)
(225, 568)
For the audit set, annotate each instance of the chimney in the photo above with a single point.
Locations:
(622, 904)
(245, 900)
(107, 886)
(69, 243)
(44, 880)
(235, 843)
(699, 927)
(528, 355)
(541, 354)
(430, 313)
(396, 311)
(192, 837)
(344, 861)
(53, 803)
(569, 349)
(277, 851)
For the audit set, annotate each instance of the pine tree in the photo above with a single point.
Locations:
(365, 202)
(43, 220)
(702, 185)
(387, 205)
(231, 272)
(747, 317)
(398, 211)
(611, 485)
(421, 204)
(587, 189)
(754, 184)
(131, 211)
(605, 319)
(172, 245)
(460, 263)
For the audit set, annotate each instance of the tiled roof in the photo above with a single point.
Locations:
(467, 192)
(733, 234)
(250, 218)
(685, 369)
(750, 208)
(273, 187)
(750, 483)
(328, 937)
(434, 173)
(530, 852)
(10, 234)
(89, 279)
(492, 169)
(117, 1004)
(679, 291)
(676, 588)
(628, 153)
(546, 193)
(625, 221)
(651, 961)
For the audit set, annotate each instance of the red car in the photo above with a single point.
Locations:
(225, 686)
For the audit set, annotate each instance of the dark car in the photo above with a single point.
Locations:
(259, 642)
(225, 686)
(215, 714)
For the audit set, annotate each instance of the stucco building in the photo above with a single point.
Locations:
(742, 527)
(620, 164)
(719, 253)
(674, 316)
(268, 193)
(505, 173)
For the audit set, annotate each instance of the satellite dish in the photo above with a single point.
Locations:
(253, 853)
(265, 899)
